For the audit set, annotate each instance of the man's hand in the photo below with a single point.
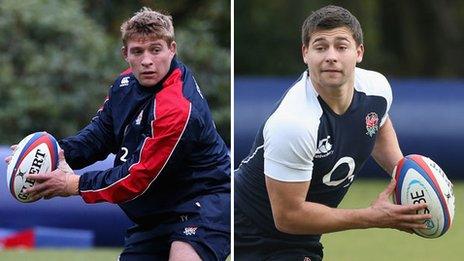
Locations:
(13, 149)
(61, 182)
(385, 214)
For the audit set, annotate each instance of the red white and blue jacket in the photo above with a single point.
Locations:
(168, 152)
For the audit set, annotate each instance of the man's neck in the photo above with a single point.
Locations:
(337, 98)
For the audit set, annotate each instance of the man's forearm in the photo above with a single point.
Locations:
(314, 218)
(386, 150)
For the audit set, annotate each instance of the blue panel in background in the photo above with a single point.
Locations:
(428, 116)
(46, 237)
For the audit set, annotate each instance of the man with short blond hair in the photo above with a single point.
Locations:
(171, 173)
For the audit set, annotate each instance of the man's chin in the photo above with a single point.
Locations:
(148, 83)
(332, 83)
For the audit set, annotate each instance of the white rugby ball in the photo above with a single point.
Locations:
(37, 153)
(420, 180)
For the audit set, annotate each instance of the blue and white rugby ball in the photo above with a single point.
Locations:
(37, 153)
(420, 180)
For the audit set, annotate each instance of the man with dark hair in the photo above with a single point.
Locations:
(310, 149)
(171, 174)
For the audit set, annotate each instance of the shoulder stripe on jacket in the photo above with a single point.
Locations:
(126, 71)
(172, 112)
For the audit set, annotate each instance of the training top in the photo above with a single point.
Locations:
(304, 140)
(168, 152)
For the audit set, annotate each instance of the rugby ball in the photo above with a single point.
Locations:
(37, 153)
(420, 180)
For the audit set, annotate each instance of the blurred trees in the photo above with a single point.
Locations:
(422, 38)
(58, 58)
(55, 68)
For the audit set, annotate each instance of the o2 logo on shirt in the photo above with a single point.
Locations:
(327, 179)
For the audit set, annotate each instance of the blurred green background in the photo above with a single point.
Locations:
(58, 58)
(410, 38)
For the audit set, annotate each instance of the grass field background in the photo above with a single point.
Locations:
(99, 254)
(388, 244)
(96, 254)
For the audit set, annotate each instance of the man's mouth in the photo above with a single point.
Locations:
(148, 73)
(332, 71)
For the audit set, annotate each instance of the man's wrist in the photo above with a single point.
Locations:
(366, 217)
(72, 184)
(362, 218)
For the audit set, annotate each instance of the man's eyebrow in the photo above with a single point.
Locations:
(319, 39)
(338, 38)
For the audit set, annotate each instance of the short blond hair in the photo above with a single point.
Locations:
(148, 23)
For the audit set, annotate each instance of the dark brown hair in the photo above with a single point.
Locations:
(330, 17)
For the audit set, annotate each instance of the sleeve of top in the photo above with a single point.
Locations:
(289, 148)
(131, 179)
(375, 83)
(381, 81)
(93, 143)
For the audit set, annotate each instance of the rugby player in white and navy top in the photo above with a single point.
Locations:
(310, 149)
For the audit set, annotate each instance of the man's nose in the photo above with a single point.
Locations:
(146, 61)
(331, 55)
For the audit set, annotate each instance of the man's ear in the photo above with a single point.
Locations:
(304, 52)
(124, 53)
(173, 47)
(359, 53)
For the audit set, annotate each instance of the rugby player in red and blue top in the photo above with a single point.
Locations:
(171, 174)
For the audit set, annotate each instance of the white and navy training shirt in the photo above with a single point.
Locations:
(304, 140)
